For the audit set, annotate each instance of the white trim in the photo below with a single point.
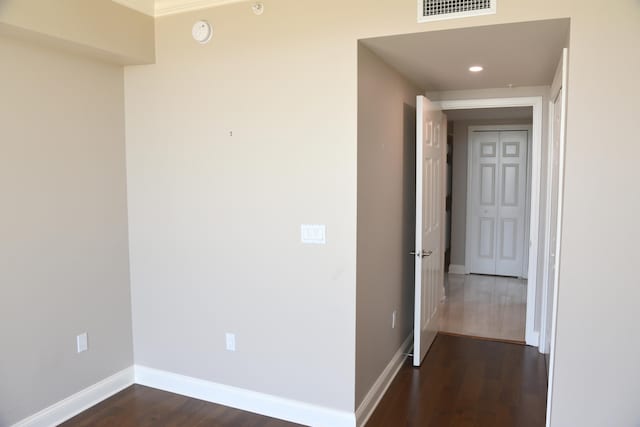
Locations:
(556, 87)
(246, 400)
(562, 151)
(138, 6)
(457, 269)
(547, 232)
(170, 7)
(422, 19)
(71, 406)
(379, 388)
(531, 336)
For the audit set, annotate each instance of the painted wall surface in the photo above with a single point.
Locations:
(386, 215)
(231, 146)
(64, 266)
(204, 203)
(98, 28)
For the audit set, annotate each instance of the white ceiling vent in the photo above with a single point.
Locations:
(434, 10)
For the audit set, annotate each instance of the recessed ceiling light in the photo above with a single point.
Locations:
(476, 69)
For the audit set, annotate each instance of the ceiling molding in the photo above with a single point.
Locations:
(169, 7)
(146, 7)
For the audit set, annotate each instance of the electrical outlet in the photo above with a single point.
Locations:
(231, 341)
(394, 316)
(82, 342)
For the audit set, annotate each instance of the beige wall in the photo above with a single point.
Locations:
(203, 203)
(98, 28)
(459, 182)
(597, 375)
(64, 265)
(215, 219)
(386, 215)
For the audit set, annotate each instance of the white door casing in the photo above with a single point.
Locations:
(531, 333)
(430, 198)
(497, 200)
(553, 183)
(551, 286)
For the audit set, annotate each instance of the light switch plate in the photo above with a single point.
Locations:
(230, 341)
(82, 342)
(315, 234)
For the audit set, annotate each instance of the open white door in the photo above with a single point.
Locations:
(558, 112)
(430, 201)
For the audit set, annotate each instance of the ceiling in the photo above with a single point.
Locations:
(522, 54)
(514, 113)
(168, 7)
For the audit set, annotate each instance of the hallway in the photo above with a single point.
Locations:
(484, 306)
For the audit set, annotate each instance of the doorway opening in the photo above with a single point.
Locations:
(489, 178)
(402, 272)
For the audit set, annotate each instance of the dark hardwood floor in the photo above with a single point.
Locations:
(462, 382)
(468, 382)
(139, 406)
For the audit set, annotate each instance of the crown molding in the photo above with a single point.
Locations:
(147, 7)
(170, 7)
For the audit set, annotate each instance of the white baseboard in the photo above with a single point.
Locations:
(84, 399)
(457, 269)
(246, 400)
(379, 388)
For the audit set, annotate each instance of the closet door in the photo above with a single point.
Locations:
(512, 179)
(483, 194)
(497, 197)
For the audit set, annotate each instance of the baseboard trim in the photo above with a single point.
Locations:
(379, 388)
(457, 269)
(246, 400)
(532, 338)
(81, 401)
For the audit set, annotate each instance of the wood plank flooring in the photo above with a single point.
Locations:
(465, 382)
(139, 406)
(462, 382)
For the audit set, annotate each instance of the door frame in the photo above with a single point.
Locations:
(531, 335)
(559, 87)
(527, 208)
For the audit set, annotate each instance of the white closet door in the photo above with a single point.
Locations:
(498, 202)
(485, 202)
(512, 179)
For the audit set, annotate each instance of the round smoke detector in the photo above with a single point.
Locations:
(202, 32)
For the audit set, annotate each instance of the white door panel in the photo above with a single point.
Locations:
(512, 202)
(429, 245)
(498, 202)
(484, 199)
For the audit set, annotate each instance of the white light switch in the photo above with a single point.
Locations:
(82, 342)
(231, 341)
(314, 234)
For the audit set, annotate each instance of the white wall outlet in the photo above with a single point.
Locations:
(231, 341)
(394, 317)
(315, 234)
(82, 342)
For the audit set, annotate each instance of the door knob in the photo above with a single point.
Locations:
(422, 254)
